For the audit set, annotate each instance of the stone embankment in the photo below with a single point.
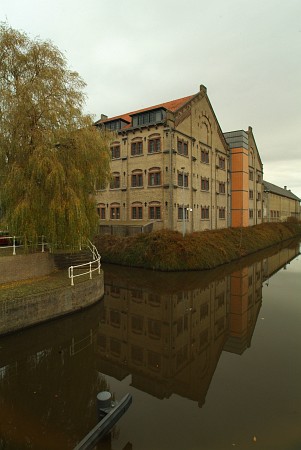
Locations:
(33, 291)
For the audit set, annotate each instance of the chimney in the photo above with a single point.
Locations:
(203, 89)
(285, 187)
(103, 117)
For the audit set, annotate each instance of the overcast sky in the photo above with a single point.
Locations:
(137, 53)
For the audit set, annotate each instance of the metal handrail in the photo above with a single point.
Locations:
(96, 260)
(15, 244)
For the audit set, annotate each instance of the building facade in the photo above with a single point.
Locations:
(170, 168)
(246, 179)
(280, 204)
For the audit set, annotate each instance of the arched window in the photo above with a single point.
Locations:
(205, 135)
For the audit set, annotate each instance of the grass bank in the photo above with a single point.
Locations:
(168, 251)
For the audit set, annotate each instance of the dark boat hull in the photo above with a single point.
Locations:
(105, 425)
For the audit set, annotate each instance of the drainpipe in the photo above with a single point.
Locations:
(170, 208)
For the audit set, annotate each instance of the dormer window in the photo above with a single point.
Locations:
(115, 125)
(148, 117)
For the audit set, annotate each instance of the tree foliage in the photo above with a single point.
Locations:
(51, 155)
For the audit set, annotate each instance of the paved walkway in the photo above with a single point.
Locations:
(23, 288)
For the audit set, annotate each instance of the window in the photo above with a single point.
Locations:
(205, 156)
(115, 181)
(116, 125)
(222, 213)
(137, 355)
(137, 212)
(259, 214)
(204, 311)
(115, 212)
(154, 328)
(101, 210)
(137, 324)
(222, 188)
(137, 148)
(148, 117)
(258, 178)
(154, 145)
(205, 212)
(154, 177)
(220, 300)
(259, 196)
(205, 184)
(115, 318)
(251, 175)
(180, 213)
(182, 147)
(221, 162)
(154, 212)
(251, 214)
(251, 194)
(180, 179)
(137, 179)
(115, 151)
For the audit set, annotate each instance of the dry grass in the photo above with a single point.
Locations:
(169, 251)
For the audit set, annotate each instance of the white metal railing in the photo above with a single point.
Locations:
(91, 265)
(15, 242)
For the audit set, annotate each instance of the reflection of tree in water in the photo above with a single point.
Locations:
(48, 398)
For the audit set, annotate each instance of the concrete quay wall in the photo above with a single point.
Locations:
(19, 313)
(22, 267)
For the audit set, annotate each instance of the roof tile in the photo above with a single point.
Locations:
(172, 105)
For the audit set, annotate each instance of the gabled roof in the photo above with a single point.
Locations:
(172, 106)
(269, 187)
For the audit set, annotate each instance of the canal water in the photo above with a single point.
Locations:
(212, 361)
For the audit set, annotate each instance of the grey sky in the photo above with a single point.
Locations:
(134, 54)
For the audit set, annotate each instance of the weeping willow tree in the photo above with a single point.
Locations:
(51, 155)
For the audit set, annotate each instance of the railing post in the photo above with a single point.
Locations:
(90, 270)
(42, 244)
(98, 266)
(71, 276)
(14, 245)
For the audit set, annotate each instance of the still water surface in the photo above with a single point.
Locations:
(212, 360)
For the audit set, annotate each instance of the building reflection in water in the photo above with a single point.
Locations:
(170, 339)
(165, 331)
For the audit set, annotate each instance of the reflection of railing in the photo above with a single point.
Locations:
(84, 343)
(15, 242)
(92, 266)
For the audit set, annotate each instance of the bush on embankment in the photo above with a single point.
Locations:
(169, 251)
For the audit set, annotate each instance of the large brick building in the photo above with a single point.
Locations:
(280, 204)
(170, 168)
